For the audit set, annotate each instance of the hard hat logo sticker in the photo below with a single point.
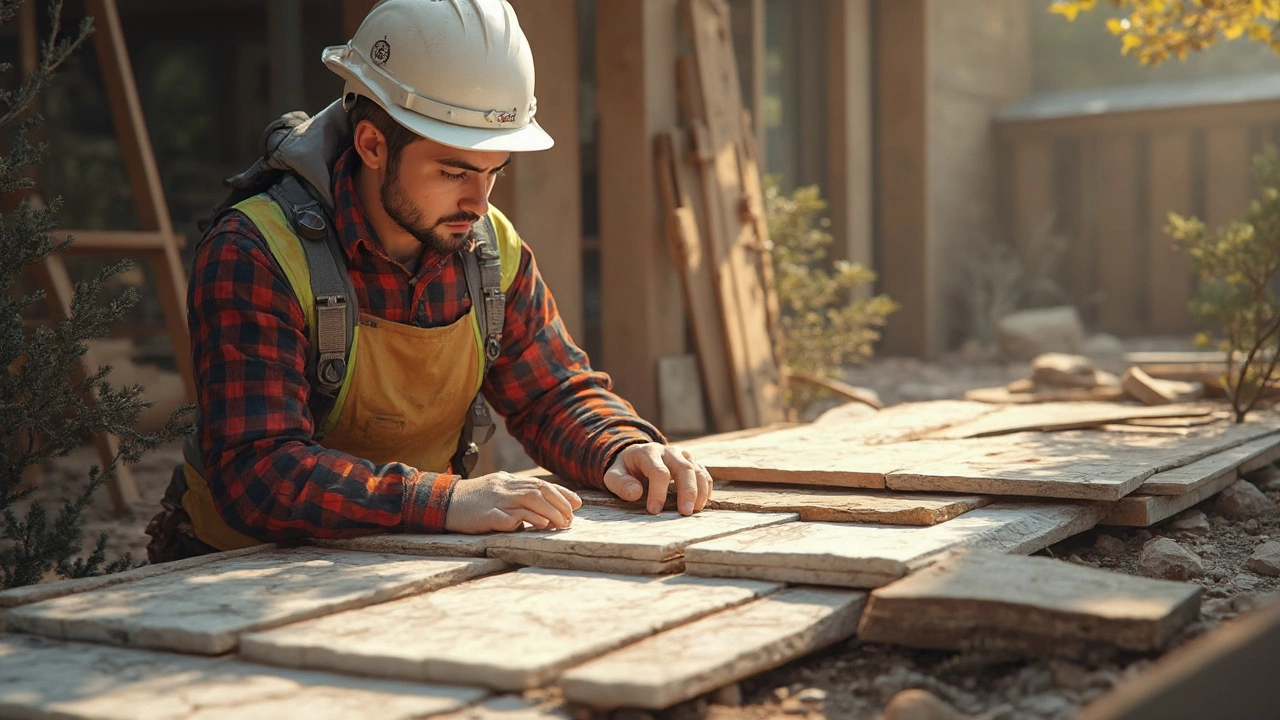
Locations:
(381, 52)
(501, 117)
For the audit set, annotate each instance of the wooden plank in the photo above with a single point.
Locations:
(443, 545)
(903, 241)
(680, 664)
(546, 186)
(1005, 396)
(1123, 291)
(721, 104)
(640, 308)
(28, 594)
(205, 609)
(848, 185)
(680, 397)
(1228, 179)
(1170, 275)
(509, 632)
(754, 213)
(867, 556)
(1060, 416)
(121, 241)
(1147, 510)
(1155, 391)
(1031, 605)
(1180, 481)
(144, 178)
(1229, 672)
(644, 543)
(697, 277)
(824, 504)
(1033, 194)
(42, 678)
(1082, 465)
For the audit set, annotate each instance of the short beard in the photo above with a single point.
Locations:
(409, 218)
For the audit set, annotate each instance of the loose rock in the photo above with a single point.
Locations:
(1265, 560)
(1028, 333)
(917, 704)
(812, 695)
(1192, 521)
(1108, 545)
(1267, 479)
(1241, 501)
(1165, 558)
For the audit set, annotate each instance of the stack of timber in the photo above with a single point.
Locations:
(709, 179)
(1057, 377)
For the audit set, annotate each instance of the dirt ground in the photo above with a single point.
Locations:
(856, 680)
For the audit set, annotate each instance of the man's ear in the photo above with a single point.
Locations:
(371, 145)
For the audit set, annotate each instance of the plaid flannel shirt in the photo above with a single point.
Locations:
(250, 343)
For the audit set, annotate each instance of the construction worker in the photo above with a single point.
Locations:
(358, 291)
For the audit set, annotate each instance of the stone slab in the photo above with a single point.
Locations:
(1181, 480)
(1004, 396)
(858, 555)
(45, 591)
(1078, 464)
(43, 678)
(1059, 416)
(682, 663)
(509, 632)
(587, 563)
(823, 504)
(506, 707)
(444, 545)
(600, 533)
(206, 609)
(1145, 510)
(1027, 604)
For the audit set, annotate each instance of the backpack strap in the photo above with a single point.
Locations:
(483, 270)
(335, 307)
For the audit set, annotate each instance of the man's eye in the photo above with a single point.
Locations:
(456, 177)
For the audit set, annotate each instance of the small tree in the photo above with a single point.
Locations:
(828, 319)
(1155, 30)
(1237, 265)
(45, 406)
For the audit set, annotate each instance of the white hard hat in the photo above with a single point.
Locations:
(458, 72)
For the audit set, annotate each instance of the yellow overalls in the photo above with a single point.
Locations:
(407, 389)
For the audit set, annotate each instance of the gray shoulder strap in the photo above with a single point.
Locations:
(335, 307)
(483, 271)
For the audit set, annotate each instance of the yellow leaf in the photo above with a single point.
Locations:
(1260, 32)
(1129, 42)
(1115, 26)
(1233, 31)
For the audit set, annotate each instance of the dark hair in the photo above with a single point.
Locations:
(397, 135)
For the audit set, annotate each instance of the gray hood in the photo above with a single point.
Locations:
(309, 146)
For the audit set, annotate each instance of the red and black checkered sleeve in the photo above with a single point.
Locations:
(565, 415)
(270, 480)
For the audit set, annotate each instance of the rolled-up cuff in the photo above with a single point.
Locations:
(426, 502)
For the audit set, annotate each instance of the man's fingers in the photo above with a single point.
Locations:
(532, 500)
(686, 482)
(575, 502)
(501, 521)
(559, 500)
(704, 481)
(622, 484)
(650, 464)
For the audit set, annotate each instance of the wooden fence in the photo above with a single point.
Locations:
(1106, 167)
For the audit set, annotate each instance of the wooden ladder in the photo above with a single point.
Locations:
(156, 242)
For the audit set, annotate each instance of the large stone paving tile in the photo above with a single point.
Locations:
(43, 678)
(206, 608)
(509, 632)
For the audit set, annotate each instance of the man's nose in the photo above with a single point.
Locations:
(475, 198)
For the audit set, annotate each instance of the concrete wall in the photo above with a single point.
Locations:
(979, 61)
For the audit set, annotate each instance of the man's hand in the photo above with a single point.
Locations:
(657, 466)
(502, 502)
